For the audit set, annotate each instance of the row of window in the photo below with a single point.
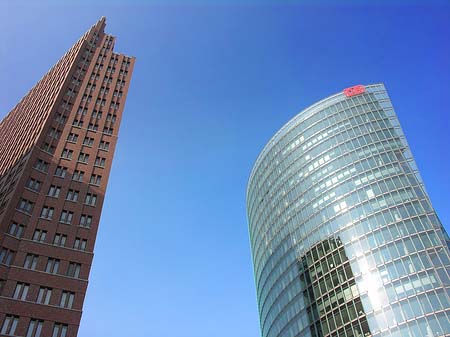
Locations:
(92, 127)
(66, 216)
(61, 171)
(40, 235)
(83, 157)
(59, 240)
(35, 326)
(54, 191)
(31, 260)
(44, 295)
(52, 266)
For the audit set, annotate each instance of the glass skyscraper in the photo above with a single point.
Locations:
(344, 239)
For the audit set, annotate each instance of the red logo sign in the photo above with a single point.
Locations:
(356, 90)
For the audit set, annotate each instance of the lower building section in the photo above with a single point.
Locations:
(333, 302)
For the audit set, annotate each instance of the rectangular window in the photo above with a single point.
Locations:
(59, 330)
(74, 270)
(77, 123)
(25, 206)
(97, 114)
(16, 230)
(72, 137)
(99, 161)
(67, 298)
(44, 295)
(31, 261)
(54, 133)
(108, 131)
(6, 256)
(72, 195)
(80, 244)
(9, 325)
(93, 127)
(39, 235)
(48, 148)
(41, 165)
(60, 239)
(47, 212)
(96, 179)
(54, 191)
(83, 158)
(88, 141)
(35, 328)
(33, 184)
(78, 175)
(21, 291)
(66, 217)
(52, 265)
(61, 171)
(111, 118)
(104, 145)
(91, 199)
(67, 154)
(85, 220)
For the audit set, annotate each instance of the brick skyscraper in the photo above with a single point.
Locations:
(56, 150)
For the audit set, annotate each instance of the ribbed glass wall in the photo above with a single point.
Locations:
(344, 239)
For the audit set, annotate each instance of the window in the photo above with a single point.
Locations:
(85, 220)
(6, 256)
(33, 184)
(93, 127)
(67, 154)
(25, 206)
(52, 265)
(39, 235)
(21, 291)
(54, 133)
(83, 158)
(54, 191)
(74, 270)
(97, 114)
(108, 131)
(31, 261)
(91, 199)
(60, 239)
(72, 137)
(61, 171)
(67, 298)
(35, 328)
(60, 118)
(66, 217)
(44, 295)
(48, 148)
(82, 111)
(78, 175)
(104, 145)
(41, 165)
(111, 118)
(72, 195)
(16, 230)
(59, 330)
(88, 141)
(99, 161)
(80, 244)
(47, 212)
(77, 123)
(95, 179)
(9, 325)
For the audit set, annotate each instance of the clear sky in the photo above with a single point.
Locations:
(212, 84)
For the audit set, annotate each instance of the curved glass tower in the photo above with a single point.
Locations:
(344, 239)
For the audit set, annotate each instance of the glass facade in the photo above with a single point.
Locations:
(344, 239)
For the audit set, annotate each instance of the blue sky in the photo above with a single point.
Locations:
(212, 84)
